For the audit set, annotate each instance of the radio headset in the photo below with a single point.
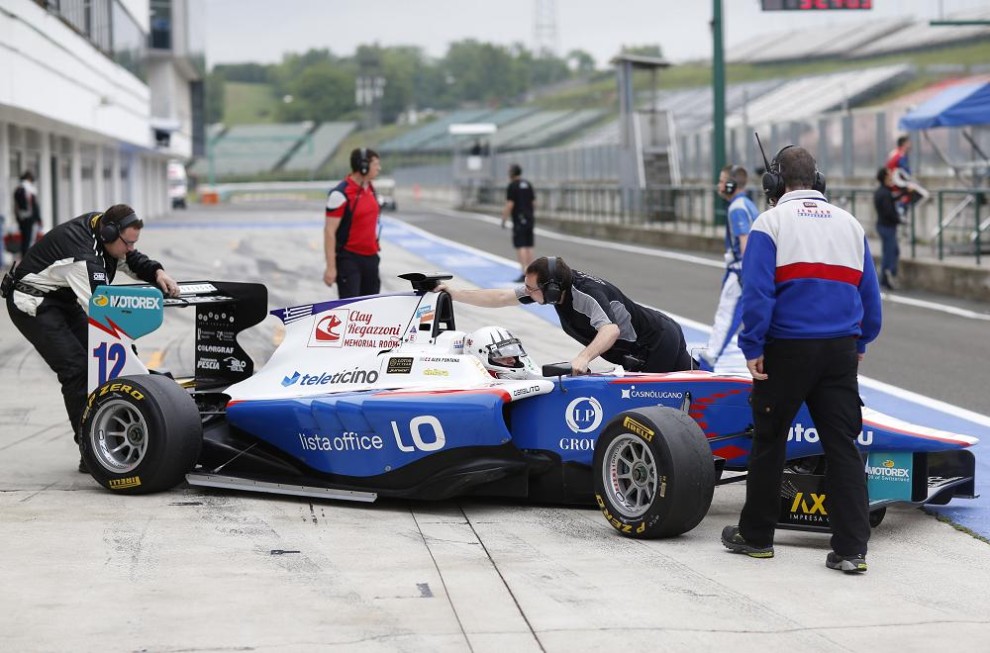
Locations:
(364, 165)
(552, 292)
(730, 183)
(773, 180)
(110, 231)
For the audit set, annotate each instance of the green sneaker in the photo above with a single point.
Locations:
(852, 564)
(735, 542)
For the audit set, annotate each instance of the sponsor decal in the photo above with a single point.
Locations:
(519, 392)
(329, 329)
(808, 508)
(346, 441)
(583, 414)
(326, 378)
(811, 205)
(124, 483)
(135, 303)
(637, 428)
(235, 364)
(435, 372)
(439, 359)
(798, 433)
(207, 364)
(632, 393)
(101, 300)
(214, 349)
(889, 469)
(399, 365)
(637, 526)
(425, 434)
(577, 444)
(100, 276)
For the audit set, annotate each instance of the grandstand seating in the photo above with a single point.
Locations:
(252, 149)
(316, 147)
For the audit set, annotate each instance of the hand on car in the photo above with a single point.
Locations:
(168, 285)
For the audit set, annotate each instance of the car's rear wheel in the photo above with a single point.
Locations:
(654, 473)
(141, 434)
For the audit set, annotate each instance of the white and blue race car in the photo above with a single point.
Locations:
(376, 397)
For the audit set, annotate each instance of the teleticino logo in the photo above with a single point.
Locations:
(290, 380)
(348, 376)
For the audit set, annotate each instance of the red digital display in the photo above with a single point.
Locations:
(815, 5)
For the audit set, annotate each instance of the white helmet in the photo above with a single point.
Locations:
(501, 353)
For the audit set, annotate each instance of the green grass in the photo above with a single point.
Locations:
(248, 104)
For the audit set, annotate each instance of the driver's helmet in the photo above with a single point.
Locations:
(501, 353)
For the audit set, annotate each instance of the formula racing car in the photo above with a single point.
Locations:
(382, 396)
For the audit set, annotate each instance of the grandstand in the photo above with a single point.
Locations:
(317, 147)
(244, 150)
(853, 41)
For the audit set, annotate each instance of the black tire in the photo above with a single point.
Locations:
(670, 482)
(141, 434)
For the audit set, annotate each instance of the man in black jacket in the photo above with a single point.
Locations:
(48, 292)
(887, 220)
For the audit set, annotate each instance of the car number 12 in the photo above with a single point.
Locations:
(113, 357)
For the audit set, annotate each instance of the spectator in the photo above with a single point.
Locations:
(739, 219)
(350, 235)
(520, 199)
(811, 304)
(596, 314)
(887, 220)
(48, 292)
(907, 191)
(26, 210)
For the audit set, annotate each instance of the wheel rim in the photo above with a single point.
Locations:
(119, 437)
(630, 475)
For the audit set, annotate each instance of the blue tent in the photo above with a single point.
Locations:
(958, 106)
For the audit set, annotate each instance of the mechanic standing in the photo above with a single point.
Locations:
(520, 198)
(596, 314)
(350, 235)
(48, 292)
(739, 220)
(811, 304)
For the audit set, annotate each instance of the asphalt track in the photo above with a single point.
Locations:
(84, 569)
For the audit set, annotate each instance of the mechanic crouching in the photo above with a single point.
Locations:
(48, 292)
(596, 314)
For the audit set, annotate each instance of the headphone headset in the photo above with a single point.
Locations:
(730, 183)
(773, 179)
(552, 291)
(110, 231)
(364, 165)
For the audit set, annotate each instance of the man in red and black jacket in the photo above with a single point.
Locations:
(350, 236)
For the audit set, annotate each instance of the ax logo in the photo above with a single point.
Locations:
(802, 507)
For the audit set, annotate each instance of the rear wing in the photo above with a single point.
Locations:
(119, 315)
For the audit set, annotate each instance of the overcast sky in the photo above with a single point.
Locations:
(263, 30)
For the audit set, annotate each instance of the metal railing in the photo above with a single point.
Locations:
(954, 232)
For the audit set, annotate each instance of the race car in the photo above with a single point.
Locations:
(382, 396)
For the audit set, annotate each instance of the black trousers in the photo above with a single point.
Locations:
(60, 334)
(28, 230)
(669, 353)
(823, 374)
(357, 275)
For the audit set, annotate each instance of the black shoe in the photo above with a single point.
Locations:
(82, 469)
(851, 564)
(735, 542)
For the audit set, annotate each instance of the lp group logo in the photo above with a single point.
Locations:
(583, 414)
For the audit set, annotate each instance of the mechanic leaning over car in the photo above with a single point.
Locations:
(350, 235)
(811, 304)
(596, 314)
(48, 292)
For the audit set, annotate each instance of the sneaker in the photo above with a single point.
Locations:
(735, 542)
(851, 564)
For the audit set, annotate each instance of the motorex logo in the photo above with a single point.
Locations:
(291, 380)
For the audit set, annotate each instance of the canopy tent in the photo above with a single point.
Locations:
(958, 106)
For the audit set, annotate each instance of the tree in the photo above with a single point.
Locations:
(322, 92)
(581, 62)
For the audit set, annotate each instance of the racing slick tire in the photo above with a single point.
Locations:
(140, 434)
(654, 473)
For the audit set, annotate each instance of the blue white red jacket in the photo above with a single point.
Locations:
(807, 273)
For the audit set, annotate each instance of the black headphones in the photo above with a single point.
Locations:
(773, 179)
(110, 231)
(552, 292)
(364, 165)
(730, 183)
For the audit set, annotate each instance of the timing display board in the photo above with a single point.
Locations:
(815, 5)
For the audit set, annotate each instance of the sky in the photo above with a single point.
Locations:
(263, 30)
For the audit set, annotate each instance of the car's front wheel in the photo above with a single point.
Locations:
(654, 473)
(141, 434)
